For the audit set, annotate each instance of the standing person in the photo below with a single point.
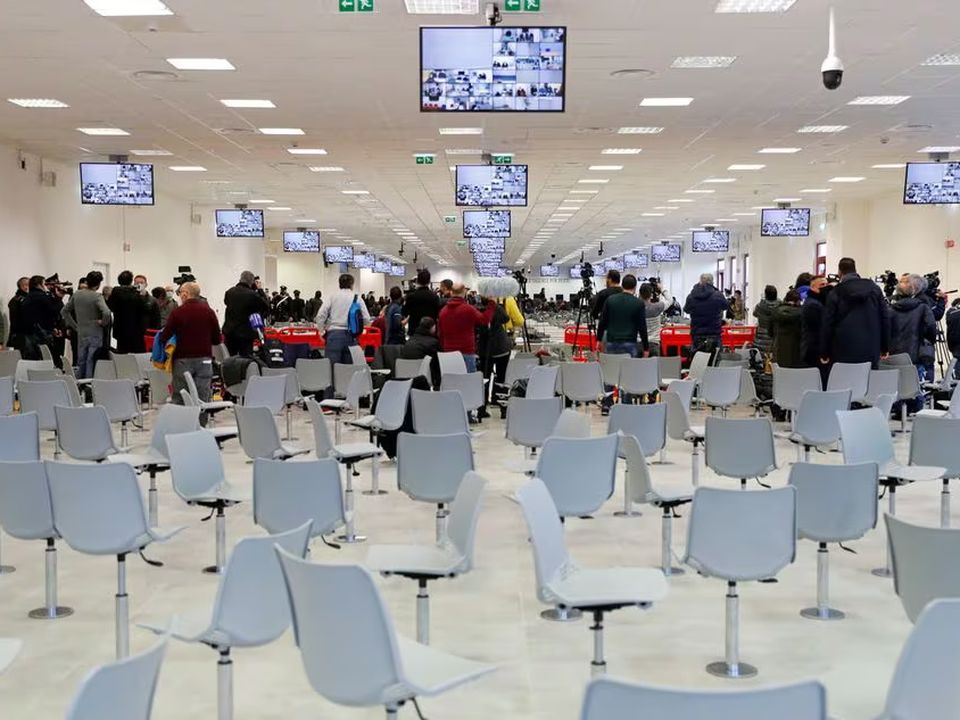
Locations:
(738, 311)
(656, 300)
(623, 320)
(297, 307)
(334, 321)
(17, 331)
(458, 324)
(812, 325)
(612, 288)
(241, 301)
(197, 331)
(706, 305)
(87, 313)
(130, 310)
(855, 324)
(313, 307)
(393, 316)
(40, 315)
(786, 322)
(953, 330)
(446, 292)
(421, 303)
(763, 312)
(913, 328)
(163, 306)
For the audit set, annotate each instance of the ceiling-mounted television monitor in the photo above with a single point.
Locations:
(486, 223)
(575, 271)
(239, 223)
(383, 266)
(600, 268)
(488, 245)
(635, 260)
(338, 254)
(489, 185)
(364, 261)
(932, 183)
(665, 253)
(615, 264)
(493, 69)
(711, 241)
(398, 270)
(791, 222)
(116, 184)
(492, 271)
(301, 241)
(550, 271)
(488, 258)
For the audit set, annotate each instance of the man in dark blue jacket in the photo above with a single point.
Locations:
(855, 323)
(706, 305)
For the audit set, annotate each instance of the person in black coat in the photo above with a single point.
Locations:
(706, 305)
(241, 301)
(130, 315)
(786, 323)
(17, 330)
(39, 315)
(424, 343)
(612, 288)
(420, 303)
(913, 329)
(811, 325)
(855, 324)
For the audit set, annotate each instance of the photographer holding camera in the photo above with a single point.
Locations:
(913, 329)
(656, 301)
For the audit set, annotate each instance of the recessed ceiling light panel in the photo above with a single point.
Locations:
(746, 167)
(824, 129)
(779, 150)
(703, 62)
(103, 131)
(753, 6)
(641, 130)
(326, 168)
(151, 153)
(248, 103)
(201, 63)
(121, 8)
(879, 100)
(844, 179)
(621, 151)
(37, 102)
(306, 151)
(188, 168)
(666, 102)
(280, 131)
(943, 59)
(443, 7)
(461, 131)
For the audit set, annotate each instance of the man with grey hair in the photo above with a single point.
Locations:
(196, 329)
(705, 305)
(913, 328)
(244, 299)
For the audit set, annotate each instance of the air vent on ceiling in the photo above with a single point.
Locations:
(236, 131)
(633, 73)
(155, 76)
(911, 128)
(593, 131)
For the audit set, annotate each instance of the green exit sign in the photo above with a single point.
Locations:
(461, 243)
(521, 6)
(450, 219)
(505, 159)
(355, 5)
(424, 158)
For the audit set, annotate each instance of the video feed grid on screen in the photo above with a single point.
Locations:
(489, 185)
(239, 223)
(549, 271)
(707, 241)
(488, 257)
(383, 266)
(398, 270)
(505, 69)
(665, 254)
(339, 254)
(791, 222)
(615, 264)
(364, 261)
(932, 184)
(488, 245)
(635, 260)
(306, 242)
(116, 184)
(575, 271)
(486, 224)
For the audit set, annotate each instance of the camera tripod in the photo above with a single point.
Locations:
(583, 307)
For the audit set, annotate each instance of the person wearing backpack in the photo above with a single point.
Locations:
(342, 321)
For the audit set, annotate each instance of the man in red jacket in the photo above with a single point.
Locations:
(197, 330)
(458, 323)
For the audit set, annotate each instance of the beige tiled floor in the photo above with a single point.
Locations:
(491, 614)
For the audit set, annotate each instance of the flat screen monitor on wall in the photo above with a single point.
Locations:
(398, 270)
(615, 264)
(575, 271)
(116, 184)
(711, 241)
(486, 223)
(549, 271)
(364, 261)
(665, 253)
(932, 184)
(791, 222)
(487, 185)
(338, 254)
(297, 241)
(239, 223)
(383, 266)
(488, 245)
(492, 69)
(635, 260)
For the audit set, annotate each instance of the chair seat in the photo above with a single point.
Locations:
(383, 371)
(225, 493)
(912, 473)
(355, 451)
(798, 439)
(431, 672)
(215, 405)
(9, 649)
(366, 422)
(336, 405)
(149, 457)
(154, 535)
(288, 451)
(672, 493)
(227, 432)
(427, 560)
(592, 588)
(933, 413)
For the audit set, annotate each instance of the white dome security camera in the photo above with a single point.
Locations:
(832, 68)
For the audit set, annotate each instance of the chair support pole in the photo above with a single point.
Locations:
(391, 712)
(50, 610)
(598, 666)
(6, 569)
(336, 427)
(122, 611)
(124, 434)
(423, 612)
(731, 667)
(695, 464)
(152, 500)
(945, 504)
(56, 445)
(224, 685)
(375, 476)
(441, 522)
(886, 571)
(822, 611)
(349, 535)
(628, 510)
(666, 546)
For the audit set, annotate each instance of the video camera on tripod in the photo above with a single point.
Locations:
(587, 274)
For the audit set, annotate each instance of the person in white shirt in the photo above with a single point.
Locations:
(333, 320)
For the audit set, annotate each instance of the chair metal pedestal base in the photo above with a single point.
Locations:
(560, 614)
(423, 612)
(221, 544)
(695, 465)
(822, 614)
(289, 414)
(153, 511)
(731, 667)
(945, 504)
(122, 610)
(349, 535)
(442, 514)
(628, 513)
(374, 490)
(224, 685)
(628, 510)
(50, 611)
(740, 671)
(823, 611)
(598, 666)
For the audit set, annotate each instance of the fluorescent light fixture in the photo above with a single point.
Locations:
(703, 62)
(594, 181)
(103, 131)
(568, 209)
(217, 182)
(188, 168)
(280, 131)
(825, 129)
(700, 192)
(720, 181)
(262, 202)
(779, 150)
(151, 153)
(771, 207)
(746, 166)
(680, 200)
(726, 220)
(814, 191)
(584, 192)
(248, 103)
(746, 214)
(611, 168)
(940, 149)
(37, 102)
(461, 131)
(329, 230)
(879, 100)
(622, 230)
(666, 207)
(443, 7)
(753, 6)
(278, 208)
(621, 151)
(305, 151)
(463, 151)
(889, 166)
(355, 192)
(201, 63)
(306, 220)
(843, 179)
(787, 200)
(650, 214)
(120, 8)
(326, 168)
(645, 130)
(943, 59)
(666, 102)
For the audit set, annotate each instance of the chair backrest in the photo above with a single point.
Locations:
(437, 413)
(464, 516)
(258, 432)
(530, 422)
(286, 495)
(720, 386)
(581, 382)
(361, 383)
(543, 382)
(105, 370)
(639, 483)
(789, 385)
(865, 435)
(850, 376)
(882, 382)
(342, 374)
(909, 383)
(748, 389)
(20, 437)
(24, 366)
(314, 375)
(323, 442)
(26, 512)
(84, 433)
(617, 700)
(698, 364)
(339, 606)
(409, 369)
(118, 398)
(678, 422)
(934, 443)
(647, 423)
(191, 386)
(392, 403)
(43, 375)
(452, 363)
(266, 391)
(518, 368)
(127, 367)
(430, 468)
(835, 503)
(924, 563)
(98, 509)
(73, 390)
(571, 424)
(924, 684)
(816, 420)
(669, 367)
(251, 607)
(122, 689)
(546, 534)
(6, 396)
(196, 466)
(291, 388)
(41, 398)
(610, 366)
(8, 362)
(357, 355)
(741, 536)
(954, 409)
(469, 386)
(220, 353)
(579, 473)
(639, 376)
(740, 448)
(684, 390)
(173, 420)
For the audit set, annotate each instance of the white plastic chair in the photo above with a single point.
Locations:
(210, 407)
(85, 433)
(438, 413)
(543, 382)
(679, 428)
(953, 406)
(854, 377)
(160, 386)
(9, 358)
(391, 409)
(266, 391)
(430, 469)
(358, 355)
(934, 442)
(314, 375)
(571, 424)
(572, 589)
(292, 395)
(119, 399)
(669, 369)
(469, 386)
(639, 376)
(452, 363)
(908, 389)
(761, 542)
(259, 436)
(409, 369)
(580, 474)
(351, 382)
(448, 558)
(741, 449)
(530, 422)
(19, 442)
(698, 364)
(287, 495)
(582, 383)
(6, 396)
(720, 387)
(815, 424)
(924, 563)
(882, 382)
(41, 398)
(24, 366)
(610, 367)
(789, 385)
(127, 367)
